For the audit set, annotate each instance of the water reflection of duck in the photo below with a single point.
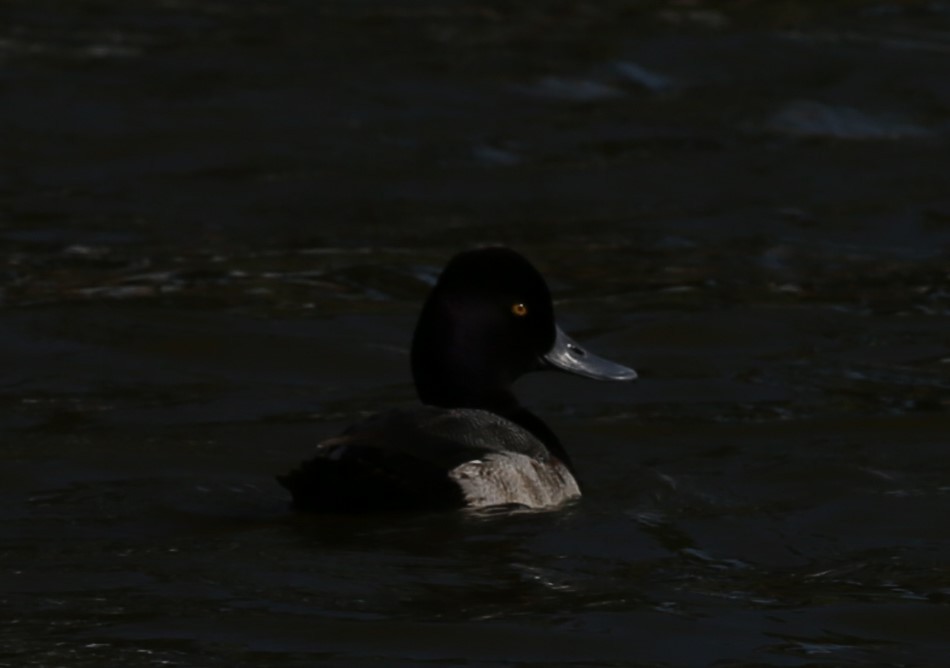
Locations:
(488, 320)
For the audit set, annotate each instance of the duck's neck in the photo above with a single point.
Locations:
(525, 418)
(452, 371)
(500, 402)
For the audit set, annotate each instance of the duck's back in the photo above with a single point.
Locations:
(429, 457)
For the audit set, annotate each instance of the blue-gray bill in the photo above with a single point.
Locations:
(568, 355)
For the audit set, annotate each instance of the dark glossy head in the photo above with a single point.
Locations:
(488, 321)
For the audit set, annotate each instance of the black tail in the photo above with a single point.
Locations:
(368, 480)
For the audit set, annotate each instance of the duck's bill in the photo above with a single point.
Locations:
(570, 356)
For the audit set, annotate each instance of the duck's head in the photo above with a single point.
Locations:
(487, 321)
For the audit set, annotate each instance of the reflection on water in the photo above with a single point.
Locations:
(218, 223)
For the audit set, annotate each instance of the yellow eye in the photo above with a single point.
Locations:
(519, 310)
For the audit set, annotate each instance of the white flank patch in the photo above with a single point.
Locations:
(501, 478)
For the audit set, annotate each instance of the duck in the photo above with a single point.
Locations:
(470, 443)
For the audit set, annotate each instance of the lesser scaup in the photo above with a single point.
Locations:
(488, 320)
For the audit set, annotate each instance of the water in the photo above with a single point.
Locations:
(218, 222)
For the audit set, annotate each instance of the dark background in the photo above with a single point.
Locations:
(217, 223)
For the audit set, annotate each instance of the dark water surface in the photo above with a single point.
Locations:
(217, 223)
